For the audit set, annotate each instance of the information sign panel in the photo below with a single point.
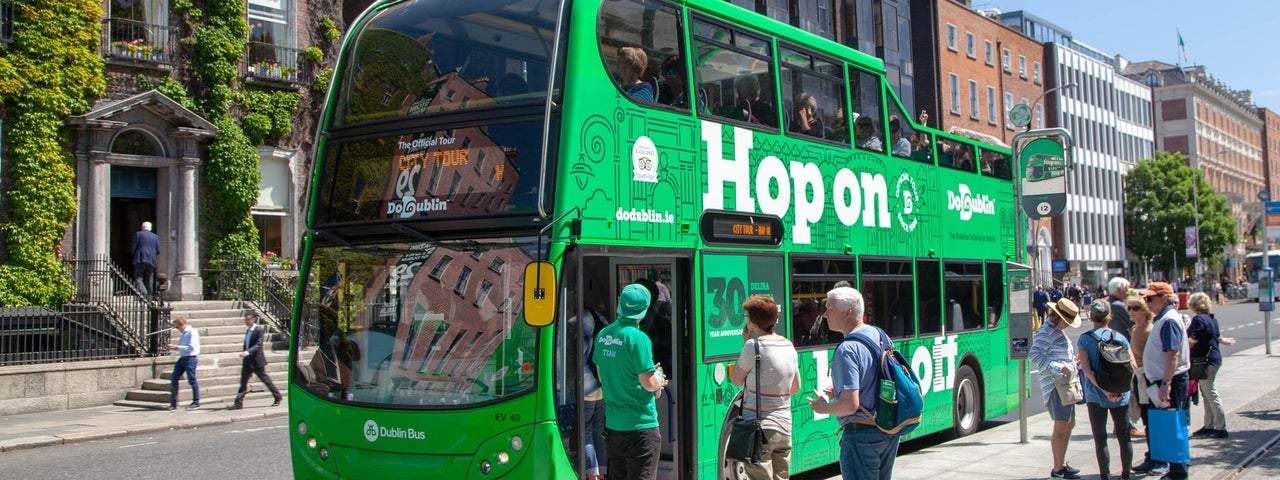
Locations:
(1044, 179)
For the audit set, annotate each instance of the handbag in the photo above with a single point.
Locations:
(1167, 432)
(746, 438)
(1069, 391)
(1199, 368)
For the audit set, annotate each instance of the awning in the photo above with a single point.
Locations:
(979, 136)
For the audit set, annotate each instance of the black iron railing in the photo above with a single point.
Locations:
(248, 279)
(138, 41)
(107, 318)
(273, 63)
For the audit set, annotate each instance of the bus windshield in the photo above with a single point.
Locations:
(425, 56)
(422, 324)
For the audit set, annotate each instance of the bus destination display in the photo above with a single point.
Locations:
(734, 228)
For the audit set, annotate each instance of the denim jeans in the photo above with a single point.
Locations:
(633, 455)
(595, 450)
(184, 365)
(867, 454)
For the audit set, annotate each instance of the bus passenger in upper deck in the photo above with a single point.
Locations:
(901, 146)
(631, 64)
(805, 119)
(755, 108)
(839, 127)
(865, 136)
(673, 72)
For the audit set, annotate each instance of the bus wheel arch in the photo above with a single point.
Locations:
(967, 406)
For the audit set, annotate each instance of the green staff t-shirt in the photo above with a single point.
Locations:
(622, 353)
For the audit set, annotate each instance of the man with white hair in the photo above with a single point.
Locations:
(866, 453)
(146, 253)
(1120, 321)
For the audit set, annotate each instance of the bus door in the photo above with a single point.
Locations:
(590, 288)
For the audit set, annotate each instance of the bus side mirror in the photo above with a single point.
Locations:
(539, 294)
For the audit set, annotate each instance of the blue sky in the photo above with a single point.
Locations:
(1238, 41)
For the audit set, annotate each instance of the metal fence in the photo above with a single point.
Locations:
(138, 41)
(249, 280)
(107, 318)
(274, 63)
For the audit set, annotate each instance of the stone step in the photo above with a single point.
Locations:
(221, 374)
(206, 305)
(197, 316)
(251, 399)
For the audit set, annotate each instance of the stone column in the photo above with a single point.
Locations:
(97, 201)
(187, 284)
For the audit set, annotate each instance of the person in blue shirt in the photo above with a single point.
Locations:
(631, 64)
(188, 348)
(1101, 403)
(1040, 300)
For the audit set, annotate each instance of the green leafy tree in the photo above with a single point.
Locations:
(1160, 204)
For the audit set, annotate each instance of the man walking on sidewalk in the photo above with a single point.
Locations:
(254, 362)
(1166, 360)
(188, 348)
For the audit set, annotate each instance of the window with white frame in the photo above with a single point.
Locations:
(970, 45)
(1039, 116)
(954, 83)
(270, 33)
(1004, 59)
(1008, 105)
(1035, 72)
(974, 111)
(991, 105)
(1022, 66)
(989, 50)
(951, 37)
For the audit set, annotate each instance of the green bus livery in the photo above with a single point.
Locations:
(488, 171)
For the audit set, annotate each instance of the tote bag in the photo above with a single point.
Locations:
(1168, 436)
(1069, 390)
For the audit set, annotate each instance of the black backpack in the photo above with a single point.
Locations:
(1114, 371)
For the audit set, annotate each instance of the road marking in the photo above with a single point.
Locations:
(138, 445)
(251, 430)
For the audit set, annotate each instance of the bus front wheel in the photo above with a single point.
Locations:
(967, 402)
(730, 469)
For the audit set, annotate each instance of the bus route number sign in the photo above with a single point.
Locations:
(721, 227)
(1044, 179)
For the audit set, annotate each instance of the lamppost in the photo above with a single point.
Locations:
(1046, 92)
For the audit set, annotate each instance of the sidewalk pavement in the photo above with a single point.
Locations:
(1250, 397)
(67, 426)
(1246, 382)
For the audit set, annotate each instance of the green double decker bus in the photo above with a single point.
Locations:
(486, 171)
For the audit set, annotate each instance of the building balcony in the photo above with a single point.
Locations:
(131, 41)
(272, 64)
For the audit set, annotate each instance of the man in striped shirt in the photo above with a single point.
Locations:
(1053, 354)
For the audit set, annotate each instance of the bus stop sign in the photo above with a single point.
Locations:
(1044, 179)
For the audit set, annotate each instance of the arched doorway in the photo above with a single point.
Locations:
(133, 194)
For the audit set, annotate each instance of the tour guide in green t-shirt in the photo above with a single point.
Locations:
(631, 382)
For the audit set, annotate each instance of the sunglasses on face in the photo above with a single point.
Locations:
(1134, 309)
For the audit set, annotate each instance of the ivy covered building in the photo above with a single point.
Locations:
(194, 115)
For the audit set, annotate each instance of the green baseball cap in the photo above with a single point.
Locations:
(633, 302)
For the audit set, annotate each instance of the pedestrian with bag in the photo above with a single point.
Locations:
(1166, 360)
(770, 375)
(1107, 385)
(1054, 356)
(866, 452)
(1204, 335)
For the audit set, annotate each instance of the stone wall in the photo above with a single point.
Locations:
(63, 386)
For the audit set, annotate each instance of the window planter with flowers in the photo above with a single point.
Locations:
(276, 262)
(136, 49)
(274, 71)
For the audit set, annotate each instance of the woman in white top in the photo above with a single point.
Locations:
(779, 380)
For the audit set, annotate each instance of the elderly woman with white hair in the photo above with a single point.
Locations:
(1204, 335)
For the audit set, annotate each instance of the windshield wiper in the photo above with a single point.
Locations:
(413, 232)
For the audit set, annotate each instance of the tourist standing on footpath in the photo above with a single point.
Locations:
(1122, 324)
(779, 379)
(866, 453)
(1099, 402)
(1204, 336)
(1166, 360)
(1054, 356)
(632, 383)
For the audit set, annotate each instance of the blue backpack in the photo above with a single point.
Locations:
(901, 403)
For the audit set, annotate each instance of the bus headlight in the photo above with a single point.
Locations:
(503, 458)
(324, 454)
(517, 443)
(311, 443)
(485, 467)
(302, 428)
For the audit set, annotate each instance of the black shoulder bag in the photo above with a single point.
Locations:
(746, 438)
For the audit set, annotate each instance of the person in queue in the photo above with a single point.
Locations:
(1054, 356)
(866, 453)
(1166, 360)
(779, 379)
(1204, 335)
(1100, 403)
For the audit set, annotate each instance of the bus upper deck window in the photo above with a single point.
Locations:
(638, 39)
